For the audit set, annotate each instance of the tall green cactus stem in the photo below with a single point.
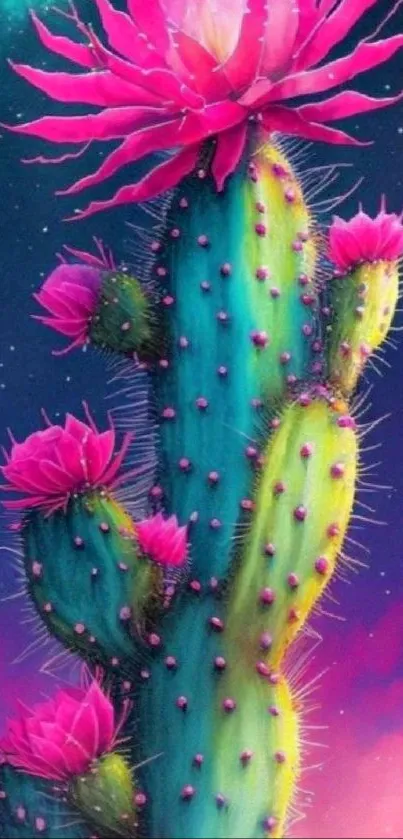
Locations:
(363, 306)
(31, 808)
(238, 274)
(87, 580)
(105, 796)
(237, 268)
(125, 319)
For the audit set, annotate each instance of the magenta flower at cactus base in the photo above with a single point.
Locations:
(70, 294)
(163, 540)
(61, 737)
(52, 464)
(177, 73)
(365, 239)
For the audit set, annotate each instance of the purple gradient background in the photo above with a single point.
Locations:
(358, 785)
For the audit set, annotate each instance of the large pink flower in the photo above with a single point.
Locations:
(365, 239)
(52, 464)
(61, 737)
(176, 73)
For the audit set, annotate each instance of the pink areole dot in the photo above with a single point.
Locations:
(322, 565)
(171, 662)
(262, 273)
(306, 450)
(261, 208)
(333, 530)
(188, 792)
(201, 403)
(228, 705)
(37, 569)
(260, 338)
(275, 292)
(202, 240)
(300, 513)
(337, 470)
(140, 799)
(293, 580)
(260, 229)
(262, 669)
(168, 413)
(226, 269)
(267, 596)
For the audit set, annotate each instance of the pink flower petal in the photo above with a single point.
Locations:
(289, 121)
(334, 29)
(242, 67)
(150, 20)
(72, 328)
(110, 124)
(283, 20)
(98, 454)
(78, 53)
(124, 37)
(230, 147)
(345, 104)
(104, 711)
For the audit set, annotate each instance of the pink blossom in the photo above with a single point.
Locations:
(61, 737)
(70, 294)
(52, 464)
(162, 540)
(365, 239)
(176, 73)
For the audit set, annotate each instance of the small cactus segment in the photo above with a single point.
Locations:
(256, 759)
(236, 276)
(124, 320)
(302, 510)
(363, 303)
(106, 796)
(87, 579)
(31, 808)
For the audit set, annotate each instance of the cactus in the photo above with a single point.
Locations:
(191, 610)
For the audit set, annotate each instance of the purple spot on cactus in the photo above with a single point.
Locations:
(92, 639)
(184, 464)
(78, 542)
(322, 565)
(201, 174)
(154, 640)
(221, 801)
(262, 273)
(256, 402)
(79, 628)
(161, 271)
(262, 669)
(140, 799)
(300, 513)
(183, 203)
(155, 246)
(40, 824)
(259, 338)
(346, 422)
(251, 452)
(267, 596)
(275, 292)
(203, 240)
(279, 171)
(274, 678)
(37, 569)
(279, 488)
(182, 703)
(213, 584)
(220, 663)
(317, 346)
(297, 246)
(223, 317)
(291, 379)
(269, 549)
(279, 757)
(246, 756)
(195, 586)
(293, 580)
(333, 530)
(163, 363)
(269, 824)
(275, 423)
(205, 285)
(260, 207)
(3, 795)
(168, 300)
(260, 229)
(226, 269)
(307, 329)
(194, 517)
(317, 367)
(171, 662)
(273, 711)
(304, 400)
(213, 478)
(47, 607)
(188, 792)
(247, 504)
(183, 342)
(104, 527)
(168, 413)
(307, 299)
(215, 524)
(344, 349)
(125, 326)
(125, 613)
(228, 705)
(337, 470)
(198, 760)
(294, 615)
(306, 450)
(201, 403)
(289, 196)
(175, 233)
(217, 624)
(123, 566)
(145, 674)
(126, 686)
(303, 279)
(222, 371)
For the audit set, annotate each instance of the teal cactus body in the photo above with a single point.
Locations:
(30, 808)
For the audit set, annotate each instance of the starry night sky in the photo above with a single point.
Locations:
(359, 781)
